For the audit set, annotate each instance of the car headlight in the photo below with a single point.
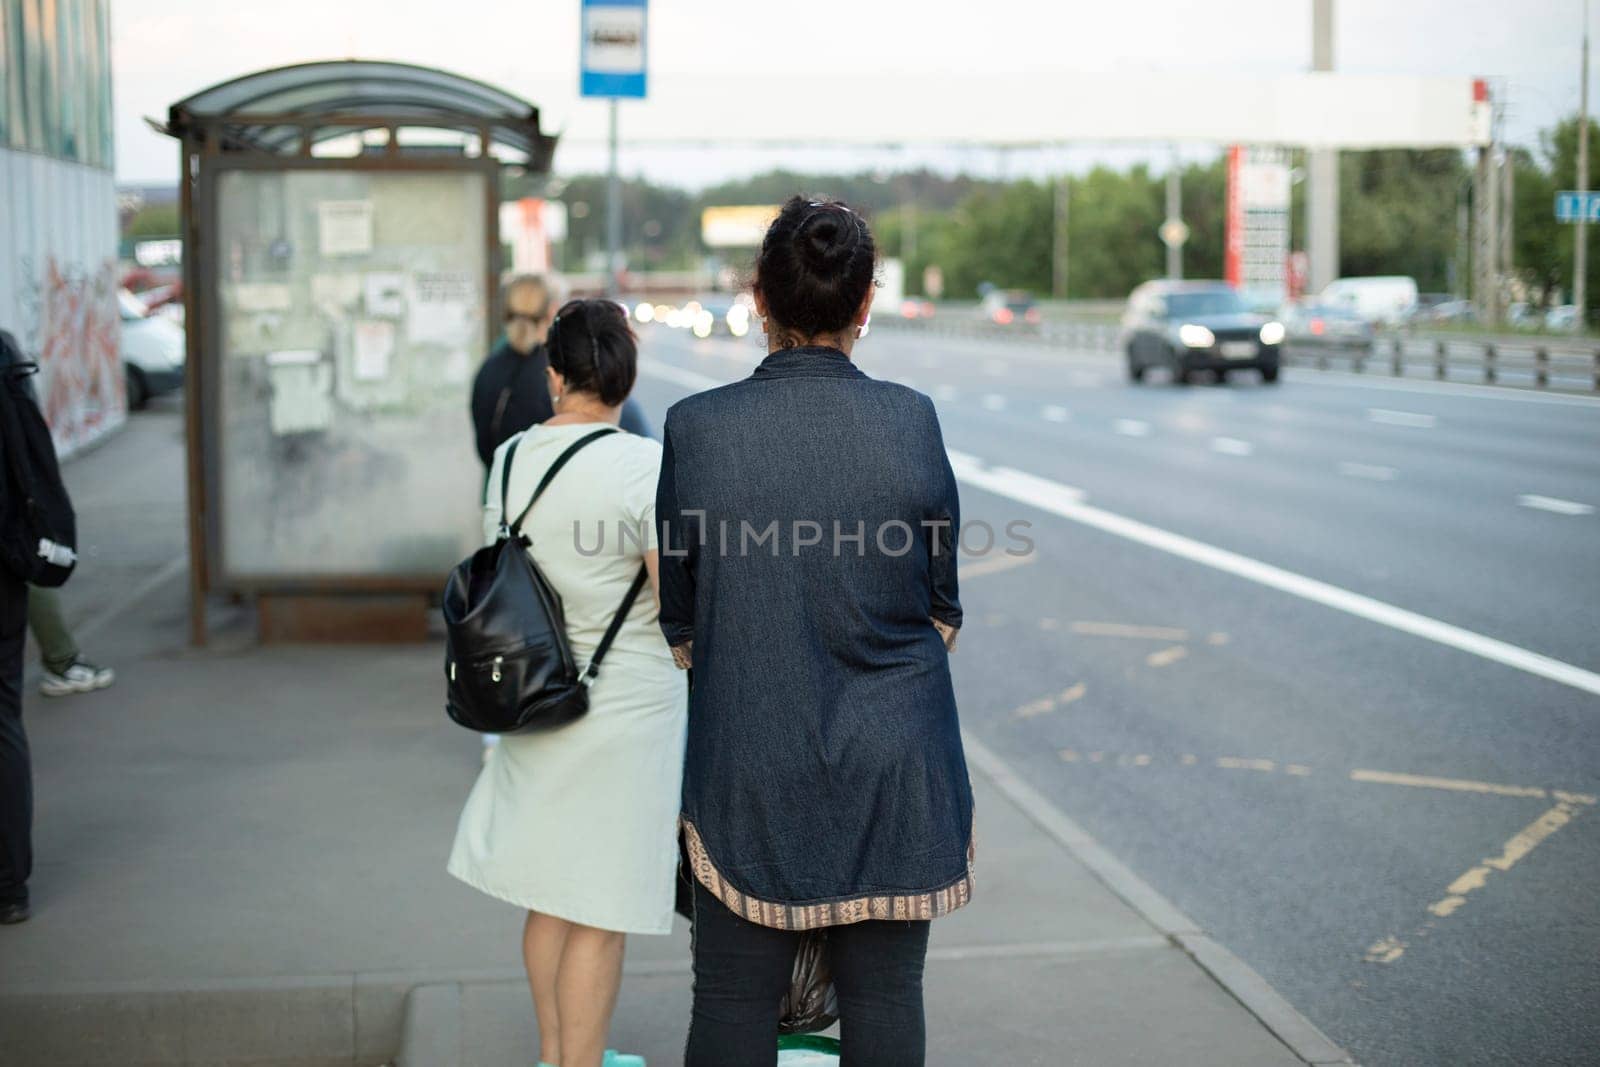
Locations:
(1272, 333)
(1195, 336)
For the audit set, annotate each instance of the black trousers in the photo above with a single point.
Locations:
(16, 773)
(742, 970)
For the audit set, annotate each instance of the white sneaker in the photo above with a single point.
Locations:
(81, 676)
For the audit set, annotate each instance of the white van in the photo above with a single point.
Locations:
(1388, 300)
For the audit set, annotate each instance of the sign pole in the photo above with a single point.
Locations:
(1580, 249)
(613, 214)
(613, 66)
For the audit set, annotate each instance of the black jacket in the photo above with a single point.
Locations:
(510, 394)
(810, 522)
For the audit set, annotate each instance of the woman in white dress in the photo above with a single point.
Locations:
(579, 825)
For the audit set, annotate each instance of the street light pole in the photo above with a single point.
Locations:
(1580, 250)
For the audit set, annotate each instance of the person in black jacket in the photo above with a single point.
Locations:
(511, 393)
(16, 771)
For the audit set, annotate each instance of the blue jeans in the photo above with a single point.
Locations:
(742, 970)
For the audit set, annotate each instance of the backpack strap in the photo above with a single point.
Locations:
(544, 483)
(589, 672)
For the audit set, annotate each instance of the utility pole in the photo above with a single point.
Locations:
(1058, 258)
(1322, 170)
(1580, 249)
(613, 214)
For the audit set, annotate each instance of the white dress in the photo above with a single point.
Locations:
(581, 822)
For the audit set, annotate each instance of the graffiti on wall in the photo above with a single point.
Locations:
(73, 332)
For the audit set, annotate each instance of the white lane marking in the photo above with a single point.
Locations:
(1232, 446)
(1068, 504)
(946, 393)
(1056, 413)
(1132, 428)
(994, 402)
(1550, 503)
(1402, 418)
(1369, 470)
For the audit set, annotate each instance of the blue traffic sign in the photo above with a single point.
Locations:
(1569, 204)
(613, 48)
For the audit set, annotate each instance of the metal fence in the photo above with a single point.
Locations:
(1525, 362)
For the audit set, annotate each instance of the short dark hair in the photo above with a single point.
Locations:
(592, 346)
(816, 266)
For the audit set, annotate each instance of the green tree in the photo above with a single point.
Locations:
(1559, 147)
(1397, 213)
(1112, 228)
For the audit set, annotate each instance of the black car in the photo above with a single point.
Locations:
(1189, 327)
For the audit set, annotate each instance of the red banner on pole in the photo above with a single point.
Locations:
(1233, 228)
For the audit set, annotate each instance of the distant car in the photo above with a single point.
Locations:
(153, 352)
(1009, 307)
(1454, 311)
(1563, 319)
(1387, 300)
(1188, 327)
(916, 308)
(1305, 321)
(718, 313)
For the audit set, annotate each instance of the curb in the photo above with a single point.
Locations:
(1236, 977)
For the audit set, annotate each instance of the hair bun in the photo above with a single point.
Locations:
(828, 238)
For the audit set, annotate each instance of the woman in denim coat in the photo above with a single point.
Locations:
(808, 576)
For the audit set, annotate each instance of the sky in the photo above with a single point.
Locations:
(164, 51)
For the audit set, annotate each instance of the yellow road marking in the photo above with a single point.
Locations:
(1038, 707)
(1166, 656)
(1045, 705)
(1119, 629)
(1458, 785)
(1386, 951)
(996, 565)
(1234, 763)
(1515, 850)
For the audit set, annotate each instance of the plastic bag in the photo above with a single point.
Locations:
(810, 1005)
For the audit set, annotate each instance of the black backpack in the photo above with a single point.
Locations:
(38, 530)
(509, 667)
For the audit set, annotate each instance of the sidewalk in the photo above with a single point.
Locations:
(240, 853)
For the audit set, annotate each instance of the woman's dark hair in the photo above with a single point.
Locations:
(592, 346)
(815, 267)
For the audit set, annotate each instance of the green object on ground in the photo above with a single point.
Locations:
(807, 1050)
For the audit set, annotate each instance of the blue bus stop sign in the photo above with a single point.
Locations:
(613, 48)
(1571, 204)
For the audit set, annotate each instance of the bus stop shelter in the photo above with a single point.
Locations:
(341, 259)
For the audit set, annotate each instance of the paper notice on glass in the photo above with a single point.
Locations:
(437, 322)
(256, 297)
(335, 292)
(344, 227)
(386, 294)
(374, 346)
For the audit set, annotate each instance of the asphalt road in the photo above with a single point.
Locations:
(1317, 660)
